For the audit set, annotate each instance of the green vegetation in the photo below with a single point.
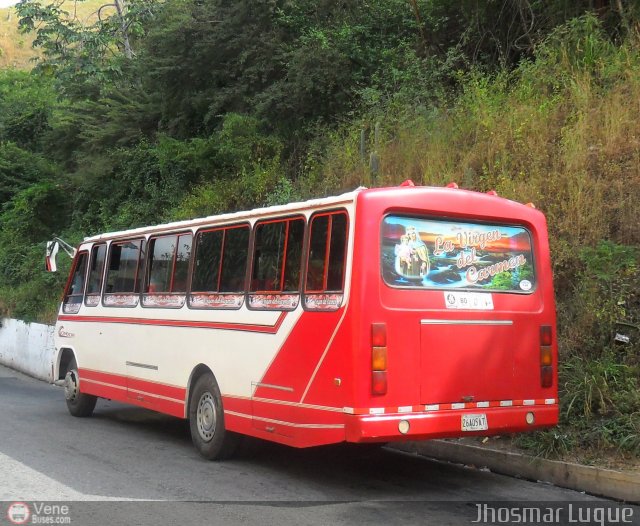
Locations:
(188, 108)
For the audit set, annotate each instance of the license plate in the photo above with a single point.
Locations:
(474, 422)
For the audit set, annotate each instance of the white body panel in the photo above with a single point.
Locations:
(168, 354)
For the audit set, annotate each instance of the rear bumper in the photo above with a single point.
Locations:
(446, 423)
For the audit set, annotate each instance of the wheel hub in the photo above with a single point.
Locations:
(206, 417)
(71, 385)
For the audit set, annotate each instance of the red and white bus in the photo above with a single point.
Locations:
(374, 316)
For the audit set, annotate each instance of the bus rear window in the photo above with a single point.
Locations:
(437, 254)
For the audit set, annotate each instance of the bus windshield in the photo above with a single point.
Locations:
(444, 254)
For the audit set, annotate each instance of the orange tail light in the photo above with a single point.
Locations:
(546, 356)
(379, 358)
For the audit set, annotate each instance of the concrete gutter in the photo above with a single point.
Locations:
(596, 481)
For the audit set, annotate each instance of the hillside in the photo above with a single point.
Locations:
(16, 49)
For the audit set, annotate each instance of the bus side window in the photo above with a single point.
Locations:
(337, 253)
(96, 269)
(123, 275)
(277, 258)
(162, 252)
(326, 261)
(234, 262)
(75, 286)
(181, 266)
(219, 268)
(169, 258)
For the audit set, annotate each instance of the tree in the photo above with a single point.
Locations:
(79, 49)
(26, 103)
(19, 169)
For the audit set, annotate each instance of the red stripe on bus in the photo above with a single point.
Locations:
(156, 388)
(161, 397)
(268, 329)
(108, 378)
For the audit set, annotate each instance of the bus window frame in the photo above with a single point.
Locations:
(325, 292)
(245, 285)
(98, 294)
(257, 294)
(65, 304)
(527, 227)
(143, 243)
(145, 295)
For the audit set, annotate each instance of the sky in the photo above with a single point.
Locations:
(7, 3)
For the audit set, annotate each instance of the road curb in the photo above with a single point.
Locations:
(602, 482)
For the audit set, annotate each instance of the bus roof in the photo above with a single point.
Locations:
(292, 208)
(231, 217)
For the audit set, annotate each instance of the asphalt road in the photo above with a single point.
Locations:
(131, 466)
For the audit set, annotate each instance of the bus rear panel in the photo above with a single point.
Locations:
(456, 334)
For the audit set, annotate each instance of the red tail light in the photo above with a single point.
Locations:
(546, 356)
(545, 335)
(379, 382)
(378, 334)
(379, 358)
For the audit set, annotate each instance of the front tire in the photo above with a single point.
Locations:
(79, 404)
(206, 421)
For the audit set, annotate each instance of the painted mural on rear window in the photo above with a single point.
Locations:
(447, 254)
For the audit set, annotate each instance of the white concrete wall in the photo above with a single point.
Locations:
(27, 347)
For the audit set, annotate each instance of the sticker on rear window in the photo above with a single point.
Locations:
(525, 284)
(468, 300)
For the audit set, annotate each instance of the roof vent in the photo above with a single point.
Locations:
(408, 182)
(452, 185)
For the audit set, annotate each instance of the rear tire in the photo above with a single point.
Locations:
(206, 421)
(79, 404)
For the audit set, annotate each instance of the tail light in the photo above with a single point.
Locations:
(379, 382)
(546, 356)
(379, 358)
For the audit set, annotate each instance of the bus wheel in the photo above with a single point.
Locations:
(206, 421)
(79, 404)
